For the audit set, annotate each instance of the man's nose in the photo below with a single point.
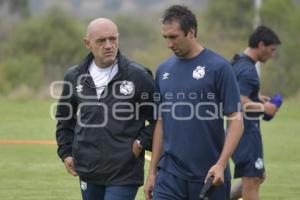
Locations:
(170, 44)
(107, 44)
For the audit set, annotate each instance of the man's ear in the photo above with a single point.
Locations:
(261, 45)
(86, 42)
(191, 33)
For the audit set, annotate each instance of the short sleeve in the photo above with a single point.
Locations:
(228, 90)
(247, 81)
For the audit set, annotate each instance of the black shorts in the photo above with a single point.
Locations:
(248, 156)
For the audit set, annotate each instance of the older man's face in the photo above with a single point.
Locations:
(103, 42)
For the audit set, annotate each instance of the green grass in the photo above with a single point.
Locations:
(282, 144)
(26, 120)
(34, 172)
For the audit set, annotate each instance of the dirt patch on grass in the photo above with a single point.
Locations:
(27, 142)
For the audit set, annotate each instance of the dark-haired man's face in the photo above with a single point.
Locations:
(176, 39)
(266, 52)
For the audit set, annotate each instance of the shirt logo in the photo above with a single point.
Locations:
(199, 72)
(165, 76)
(79, 88)
(126, 87)
(259, 163)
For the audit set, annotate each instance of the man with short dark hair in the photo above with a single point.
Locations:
(189, 142)
(248, 156)
(101, 131)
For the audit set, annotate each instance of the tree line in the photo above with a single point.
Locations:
(38, 49)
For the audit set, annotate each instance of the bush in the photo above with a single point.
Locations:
(22, 70)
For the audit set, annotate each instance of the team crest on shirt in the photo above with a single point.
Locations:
(199, 72)
(259, 163)
(126, 87)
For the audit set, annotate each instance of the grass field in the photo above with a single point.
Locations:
(34, 172)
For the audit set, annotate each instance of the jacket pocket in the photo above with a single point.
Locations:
(87, 158)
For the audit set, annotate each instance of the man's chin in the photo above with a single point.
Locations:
(263, 61)
(109, 61)
(177, 53)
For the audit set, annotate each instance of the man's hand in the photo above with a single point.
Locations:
(136, 149)
(68, 161)
(270, 108)
(148, 187)
(218, 172)
(264, 98)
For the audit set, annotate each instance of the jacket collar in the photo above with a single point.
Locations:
(122, 63)
(83, 67)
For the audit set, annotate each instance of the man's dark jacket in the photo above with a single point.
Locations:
(101, 144)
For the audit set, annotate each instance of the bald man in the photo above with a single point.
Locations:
(101, 114)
